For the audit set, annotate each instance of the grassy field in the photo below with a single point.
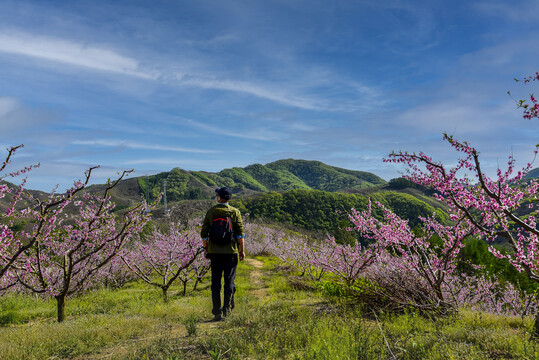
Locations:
(277, 316)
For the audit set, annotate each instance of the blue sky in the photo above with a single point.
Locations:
(207, 85)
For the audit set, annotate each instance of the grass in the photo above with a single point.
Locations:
(277, 316)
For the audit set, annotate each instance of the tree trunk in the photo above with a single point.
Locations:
(165, 296)
(439, 293)
(184, 288)
(61, 305)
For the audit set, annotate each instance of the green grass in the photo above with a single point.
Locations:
(19, 309)
(275, 318)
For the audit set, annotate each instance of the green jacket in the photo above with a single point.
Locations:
(223, 210)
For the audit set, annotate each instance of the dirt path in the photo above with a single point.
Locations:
(178, 330)
(261, 292)
(256, 278)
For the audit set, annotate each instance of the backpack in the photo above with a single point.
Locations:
(221, 232)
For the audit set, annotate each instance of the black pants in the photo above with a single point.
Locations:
(223, 266)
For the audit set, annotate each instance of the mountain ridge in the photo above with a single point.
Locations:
(280, 175)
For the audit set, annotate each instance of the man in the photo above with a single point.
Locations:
(223, 240)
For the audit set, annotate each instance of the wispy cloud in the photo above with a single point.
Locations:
(198, 70)
(196, 164)
(140, 146)
(72, 53)
(264, 92)
(516, 10)
(19, 119)
(97, 57)
(116, 83)
(7, 105)
(258, 134)
(64, 173)
(456, 116)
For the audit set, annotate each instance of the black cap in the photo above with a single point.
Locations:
(224, 193)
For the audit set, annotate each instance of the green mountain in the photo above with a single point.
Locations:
(319, 176)
(282, 175)
(306, 194)
(534, 173)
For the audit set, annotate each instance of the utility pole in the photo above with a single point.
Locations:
(165, 194)
(146, 192)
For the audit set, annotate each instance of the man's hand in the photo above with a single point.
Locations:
(241, 243)
(205, 247)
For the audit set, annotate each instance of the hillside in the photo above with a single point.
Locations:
(282, 175)
(327, 212)
(534, 173)
(307, 194)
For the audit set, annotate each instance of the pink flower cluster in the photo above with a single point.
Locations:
(490, 206)
(399, 268)
(482, 293)
(58, 254)
(531, 110)
(262, 238)
(70, 250)
(164, 258)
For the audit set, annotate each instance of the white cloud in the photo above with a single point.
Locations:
(140, 146)
(259, 134)
(7, 105)
(303, 127)
(455, 116)
(99, 58)
(507, 59)
(72, 53)
(19, 119)
(516, 11)
(196, 164)
(294, 89)
(264, 92)
(64, 173)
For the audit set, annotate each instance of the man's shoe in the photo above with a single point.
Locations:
(217, 318)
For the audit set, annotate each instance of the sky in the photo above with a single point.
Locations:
(208, 85)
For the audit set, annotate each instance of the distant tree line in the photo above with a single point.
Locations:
(317, 210)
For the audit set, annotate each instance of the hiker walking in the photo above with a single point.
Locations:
(223, 240)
